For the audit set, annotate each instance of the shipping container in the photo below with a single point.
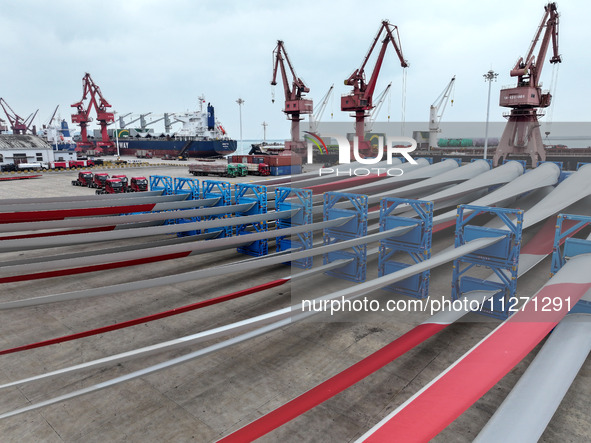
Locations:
(240, 159)
(283, 160)
(286, 170)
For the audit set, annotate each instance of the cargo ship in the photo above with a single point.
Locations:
(201, 135)
(58, 136)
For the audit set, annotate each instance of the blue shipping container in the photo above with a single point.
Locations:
(286, 170)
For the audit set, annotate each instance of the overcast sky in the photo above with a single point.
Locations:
(159, 56)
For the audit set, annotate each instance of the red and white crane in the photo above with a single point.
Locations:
(295, 104)
(93, 92)
(522, 133)
(18, 124)
(360, 100)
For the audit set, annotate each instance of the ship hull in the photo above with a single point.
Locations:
(190, 148)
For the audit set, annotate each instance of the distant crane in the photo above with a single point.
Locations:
(141, 119)
(295, 104)
(82, 117)
(122, 123)
(361, 98)
(17, 123)
(373, 114)
(168, 124)
(50, 122)
(316, 116)
(522, 132)
(436, 112)
(151, 122)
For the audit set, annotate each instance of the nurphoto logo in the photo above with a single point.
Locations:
(394, 146)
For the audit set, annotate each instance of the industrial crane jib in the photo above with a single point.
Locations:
(360, 100)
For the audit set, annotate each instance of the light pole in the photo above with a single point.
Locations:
(265, 124)
(240, 103)
(488, 77)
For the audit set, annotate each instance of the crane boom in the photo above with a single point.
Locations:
(316, 116)
(151, 122)
(53, 116)
(378, 106)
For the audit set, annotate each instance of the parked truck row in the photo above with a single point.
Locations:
(221, 168)
(105, 184)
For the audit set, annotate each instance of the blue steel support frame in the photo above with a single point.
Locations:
(502, 258)
(184, 185)
(302, 200)
(221, 189)
(416, 243)
(257, 194)
(565, 248)
(161, 182)
(356, 227)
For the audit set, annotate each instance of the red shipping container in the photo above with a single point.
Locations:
(283, 160)
(241, 159)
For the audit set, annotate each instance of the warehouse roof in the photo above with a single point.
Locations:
(13, 141)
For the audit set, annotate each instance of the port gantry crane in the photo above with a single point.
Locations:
(295, 104)
(360, 100)
(522, 132)
(92, 91)
(18, 124)
(436, 112)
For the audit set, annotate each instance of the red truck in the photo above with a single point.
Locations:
(112, 186)
(124, 180)
(64, 164)
(258, 168)
(59, 165)
(138, 184)
(98, 180)
(80, 163)
(84, 179)
(143, 154)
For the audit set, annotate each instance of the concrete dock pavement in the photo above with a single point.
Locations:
(207, 398)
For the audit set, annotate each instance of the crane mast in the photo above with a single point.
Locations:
(436, 112)
(522, 133)
(295, 104)
(82, 117)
